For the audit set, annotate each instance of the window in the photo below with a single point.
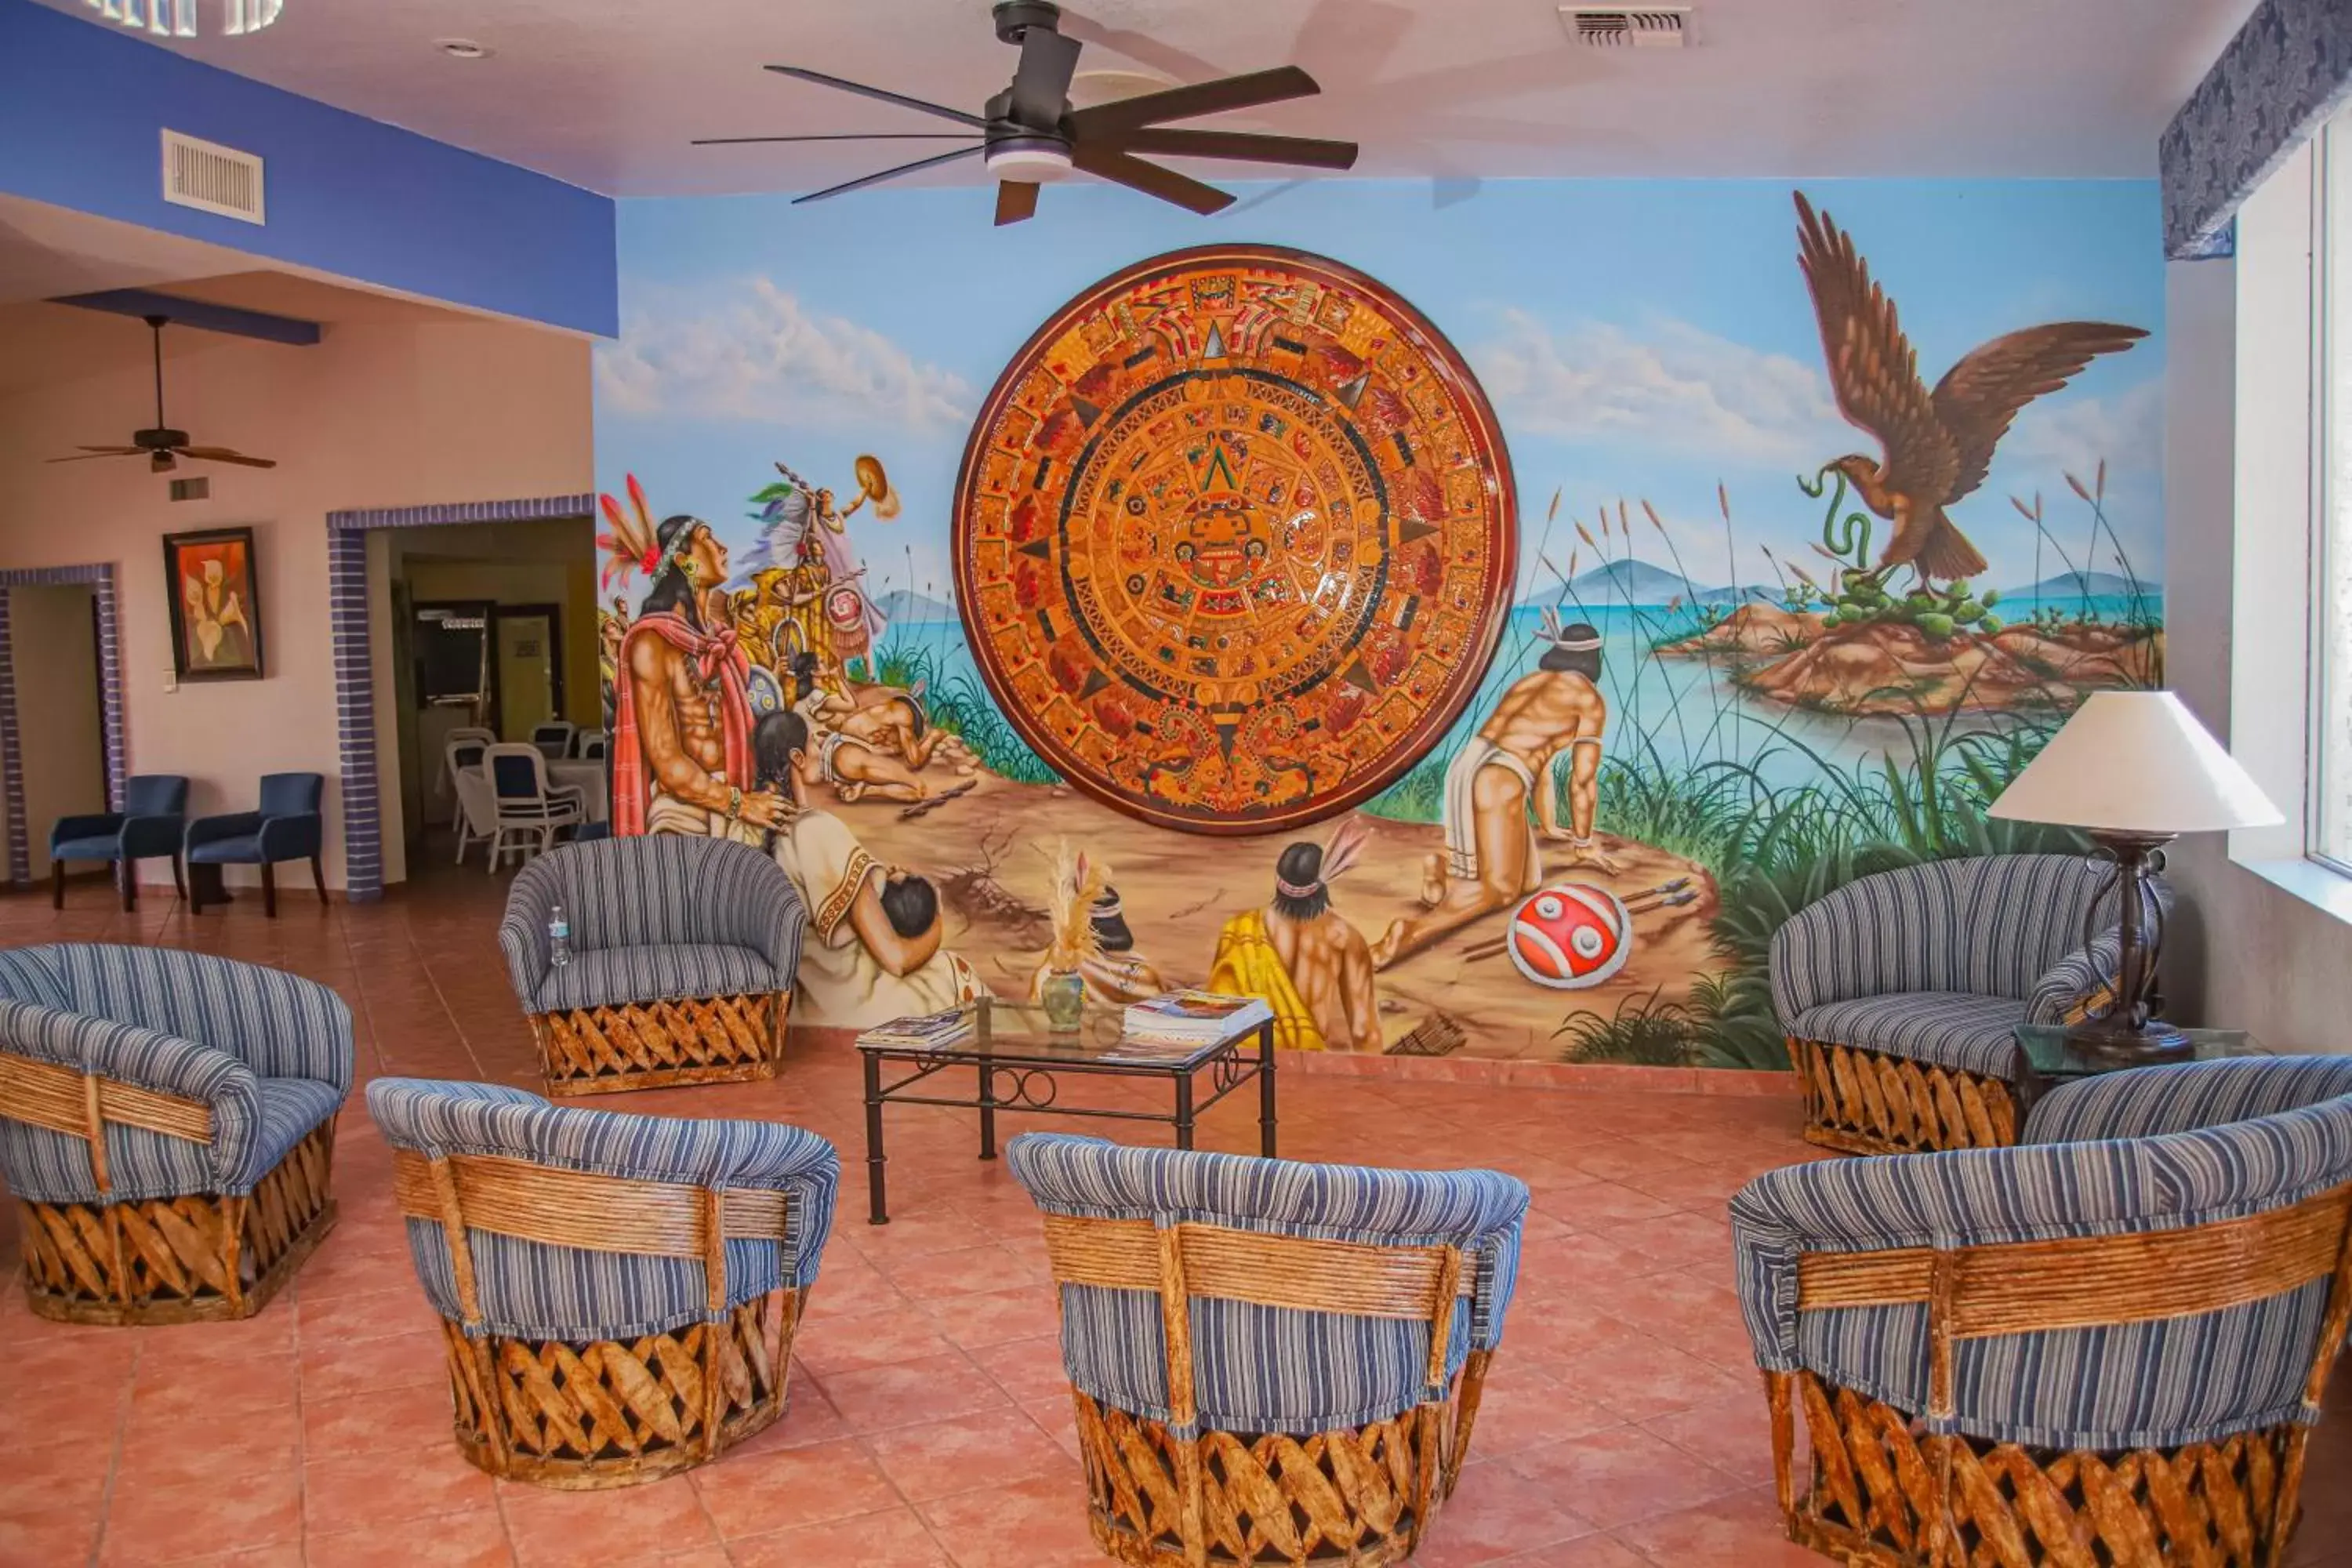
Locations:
(2330, 829)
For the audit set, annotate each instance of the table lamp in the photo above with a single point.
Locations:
(2134, 770)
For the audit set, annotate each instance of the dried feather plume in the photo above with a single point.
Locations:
(1078, 879)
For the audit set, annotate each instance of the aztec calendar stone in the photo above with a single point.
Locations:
(1234, 539)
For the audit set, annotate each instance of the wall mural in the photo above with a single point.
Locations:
(1233, 593)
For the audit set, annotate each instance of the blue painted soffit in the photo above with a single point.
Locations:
(82, 111)
(145, 302)
(2287, 71)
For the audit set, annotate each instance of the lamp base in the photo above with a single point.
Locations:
(2108, 1041)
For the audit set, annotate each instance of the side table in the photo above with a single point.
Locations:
(2047, 1058)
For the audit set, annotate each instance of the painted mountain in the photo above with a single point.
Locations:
(1639, 583)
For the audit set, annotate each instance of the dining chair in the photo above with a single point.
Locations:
(526, 805)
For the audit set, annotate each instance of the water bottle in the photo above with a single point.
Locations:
(558, 936)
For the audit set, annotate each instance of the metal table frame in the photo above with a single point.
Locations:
(1016, 1078)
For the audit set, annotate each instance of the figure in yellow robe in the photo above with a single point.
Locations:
(1314, 969)
(1247, 966)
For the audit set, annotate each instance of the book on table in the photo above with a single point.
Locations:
(1193, 1017)
(928, 1031)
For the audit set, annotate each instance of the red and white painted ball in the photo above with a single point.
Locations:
(1570, 935)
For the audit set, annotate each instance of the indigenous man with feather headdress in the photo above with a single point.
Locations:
(805, 534)
(681, 712)
(1314, 969)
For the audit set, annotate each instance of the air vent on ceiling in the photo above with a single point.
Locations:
(212, 178)
(1620, 28)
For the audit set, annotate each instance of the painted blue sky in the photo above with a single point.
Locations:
(1639, 340)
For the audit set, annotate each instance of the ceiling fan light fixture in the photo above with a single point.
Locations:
(1030, 159)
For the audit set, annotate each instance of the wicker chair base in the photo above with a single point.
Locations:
(661, 1044)
(1862, 1101)
(1885, 1494)
(1362, 1496)
(196, 1259)
(591, 1415)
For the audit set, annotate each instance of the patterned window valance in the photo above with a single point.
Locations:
(2288, 69)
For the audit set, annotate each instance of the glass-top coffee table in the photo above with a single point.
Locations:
(1017, 1064)
(2050, 1059)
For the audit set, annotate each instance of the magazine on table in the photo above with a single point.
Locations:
(1193, 1017)
(927, 1032)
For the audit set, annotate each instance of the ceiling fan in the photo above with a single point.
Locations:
(1030, 133)
(163, 446)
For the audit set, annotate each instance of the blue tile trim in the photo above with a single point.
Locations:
(347, 614)
(101, 576)
(538, 510)
(2277, 82)
(12, 752)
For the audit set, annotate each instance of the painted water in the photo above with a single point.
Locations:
(1667, 713)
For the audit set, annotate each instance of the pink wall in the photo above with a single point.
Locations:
(403, 405)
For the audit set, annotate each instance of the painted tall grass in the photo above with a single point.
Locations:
(958, 704)
(1774, 849)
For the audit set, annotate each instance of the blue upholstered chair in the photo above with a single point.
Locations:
(683, 953)
(154, 808)
(288, 826)
(1901, 995)
(167, 1121)
(620, 1293)
(1273, 1363)
(2106, 1345)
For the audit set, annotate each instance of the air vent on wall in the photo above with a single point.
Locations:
(1618, 28)
(197, 488)
(212, 178)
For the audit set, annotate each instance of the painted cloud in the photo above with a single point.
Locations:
(1675, 388)
(755, 353)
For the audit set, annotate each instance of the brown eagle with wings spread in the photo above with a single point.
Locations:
(1938, 445)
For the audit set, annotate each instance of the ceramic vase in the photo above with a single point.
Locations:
(1064, 993)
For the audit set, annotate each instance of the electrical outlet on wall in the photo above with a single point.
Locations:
(171, 680)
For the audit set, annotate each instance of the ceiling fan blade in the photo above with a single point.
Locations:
(852, 136)
(1111, 164)
(1016, 200)
(884, 93)
(886, 174)
(1040, 87)
(223, 455)
(89, 452)
(1215, 97)
(1246, 146)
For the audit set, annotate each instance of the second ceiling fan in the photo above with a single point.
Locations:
(1030, 133)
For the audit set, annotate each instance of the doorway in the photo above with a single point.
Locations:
(53, 634)
(485, 635)
(98, 580)
(527, 669)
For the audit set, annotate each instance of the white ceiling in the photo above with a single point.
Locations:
(608, 93)
(48, 251)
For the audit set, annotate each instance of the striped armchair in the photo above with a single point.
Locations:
(2106, 1345)
(167, 1121)
(618, 1293)
(1901, 993)
(683, 955)
(1273, 1363)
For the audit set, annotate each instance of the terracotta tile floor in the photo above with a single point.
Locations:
(929, 1422)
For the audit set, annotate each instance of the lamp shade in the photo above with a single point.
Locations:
(2136, 762)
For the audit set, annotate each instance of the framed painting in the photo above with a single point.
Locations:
(214, 596)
